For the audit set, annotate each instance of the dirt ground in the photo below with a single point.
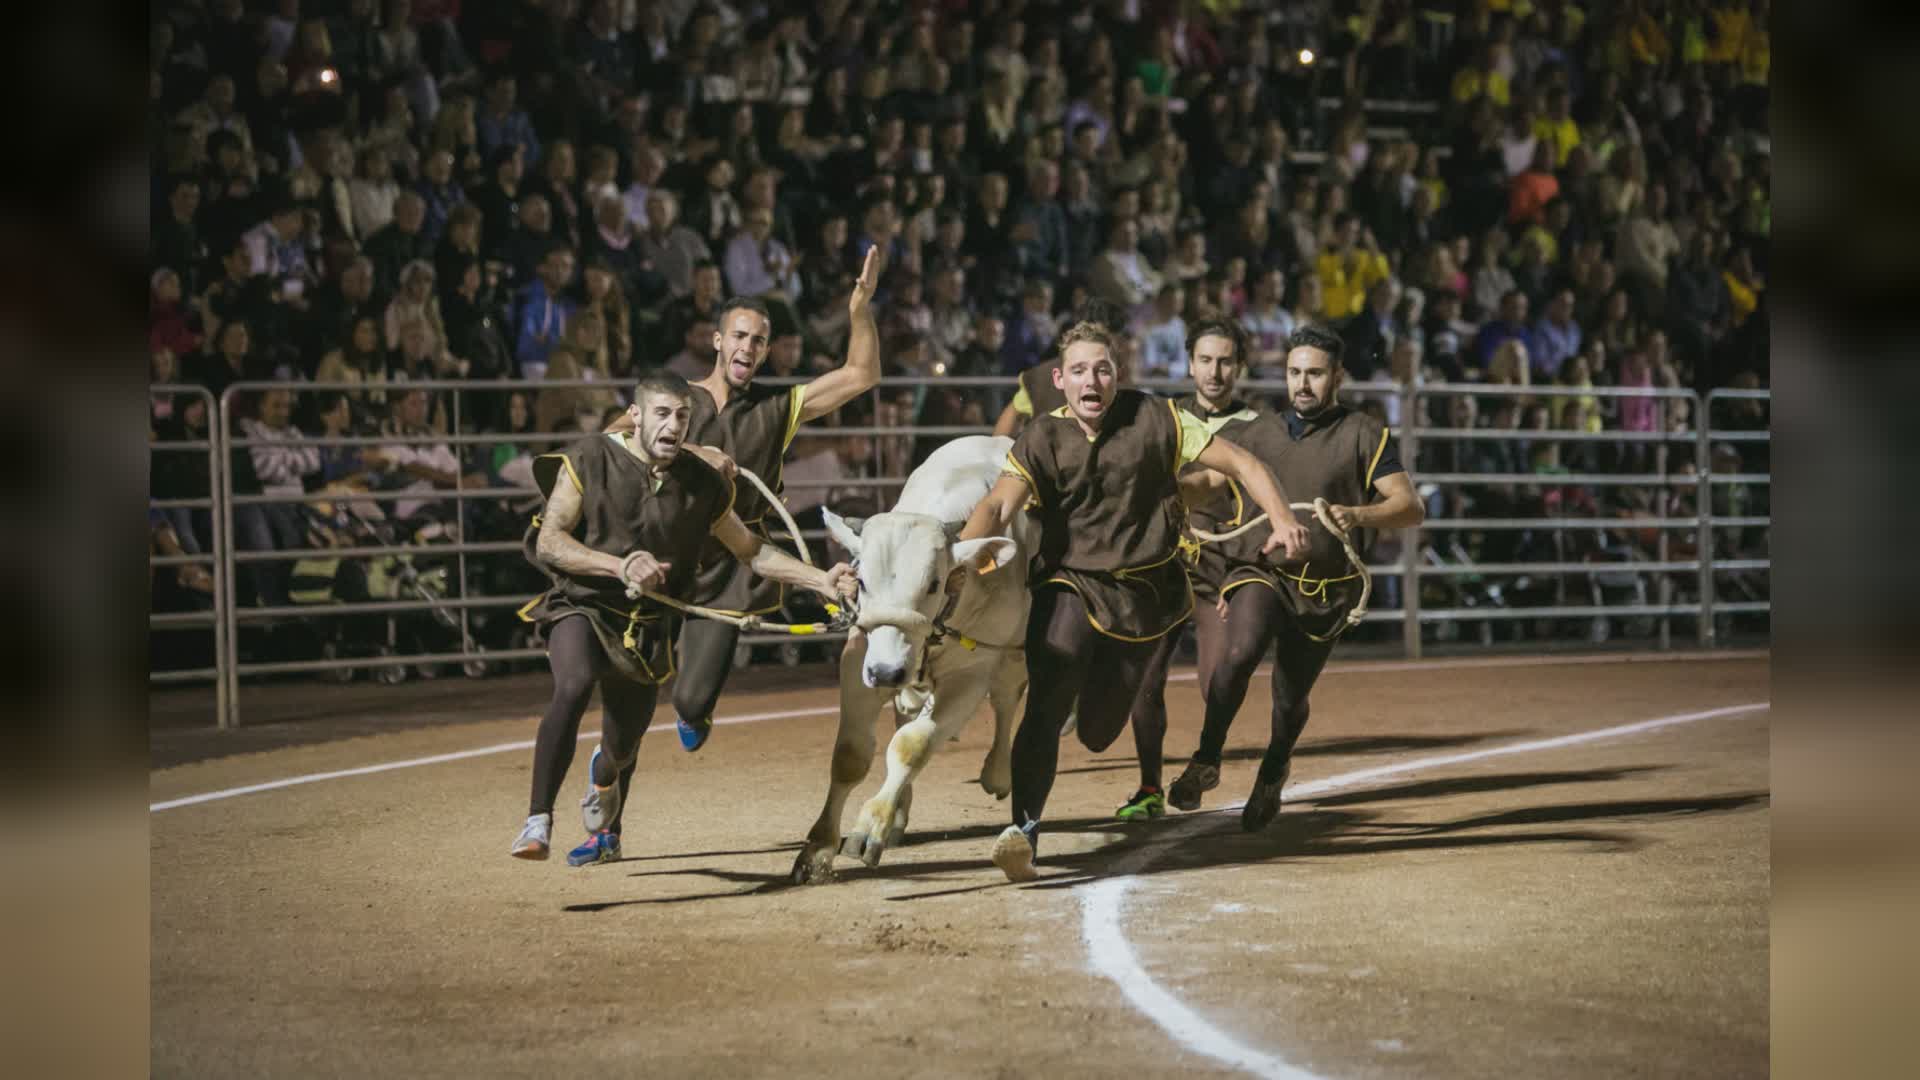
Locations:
(1591, 909)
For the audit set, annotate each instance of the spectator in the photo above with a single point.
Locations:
(1121, 275)
(166, 319)
(668, 248)
(1556, 337)
(500, 125)
(1492, 281)
(373, 193)
(1268, 322)
(1369, 335)
(1509, 325)
(499, 201)
(1350, 270)
(1031, 331)
(361, 358)
(529, 244)
(543, 313)
(700, 305)
(695, 358)
(1163, 335)
(1646, 245)
(555, 182)
(582, 355)
(401, 243)
(759, 265)
(605, 298)
(419, 466)
(1533, 189)
(1040, 225)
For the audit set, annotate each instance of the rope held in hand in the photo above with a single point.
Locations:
(1323, 513)
(841, 616)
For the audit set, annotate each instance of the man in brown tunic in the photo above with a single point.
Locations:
(1318, 448)
(1217, 352)
(754, 425)
(1101, 473)
(626, 509)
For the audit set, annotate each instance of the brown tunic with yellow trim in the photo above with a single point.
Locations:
(622, 511)
(1108, 508)
(754, 429)
(1208, 566)
(1337, 456)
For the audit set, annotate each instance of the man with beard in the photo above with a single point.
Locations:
(1101, 473)
(1317, 448)
(626, 509)
(1217, 354)
(754, 425)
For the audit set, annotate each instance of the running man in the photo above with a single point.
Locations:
(626, 509)
(1318, 448)
(1217, 351)
(1101, 473)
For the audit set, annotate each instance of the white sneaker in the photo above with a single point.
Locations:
(535, 839)
(1013, 854)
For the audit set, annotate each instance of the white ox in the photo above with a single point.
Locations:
(906, 559)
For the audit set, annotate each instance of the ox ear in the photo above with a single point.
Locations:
(845, 531)
(985, 554)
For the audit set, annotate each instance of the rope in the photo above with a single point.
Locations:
(841, 617)
(1322, 512)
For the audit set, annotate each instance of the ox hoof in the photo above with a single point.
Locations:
(854, 845)
(813, 867)
(896, 836)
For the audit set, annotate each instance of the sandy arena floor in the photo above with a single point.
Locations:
(1475, 875)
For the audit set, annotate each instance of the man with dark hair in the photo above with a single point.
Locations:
(1101, 472)
(626, 511)
(544, 311)
(1218, 354)
(754, 426)
(1316, 448)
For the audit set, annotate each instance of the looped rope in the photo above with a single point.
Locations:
(1322, 511)
(841, 616)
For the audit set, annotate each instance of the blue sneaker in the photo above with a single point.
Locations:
(693, 736)
(598, 848)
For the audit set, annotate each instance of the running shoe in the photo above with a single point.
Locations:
(1145, 804)
(693, 735)
(1013, 852)
(536, 839)
(1195, 780)
(599, 847)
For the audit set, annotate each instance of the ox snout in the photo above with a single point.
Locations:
(880, 674)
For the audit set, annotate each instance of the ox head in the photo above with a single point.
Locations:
(906, 563)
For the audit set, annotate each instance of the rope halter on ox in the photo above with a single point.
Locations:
(1323, 512)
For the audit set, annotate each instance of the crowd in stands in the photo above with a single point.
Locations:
(1547, 194)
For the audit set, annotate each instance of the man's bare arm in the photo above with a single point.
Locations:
(556, 545)
(1258, 481)
(1399, 508)
(995, 514)
(1202, 487)
(836, 583)
(1009, 422)
(861, 372)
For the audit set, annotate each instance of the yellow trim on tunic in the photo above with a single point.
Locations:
(1104, 632)
(1232, 585)
(1022, 401)
(797, 402)
(571, 475)
(1385, 433)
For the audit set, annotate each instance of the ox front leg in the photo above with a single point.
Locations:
(1009, 685)
(883, 820)
(852, 757)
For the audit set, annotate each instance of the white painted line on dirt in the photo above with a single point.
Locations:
(1360, 667)
(461, 755)
(1102, 905)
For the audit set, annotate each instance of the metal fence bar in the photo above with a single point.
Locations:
(225, 441)
(190, 620)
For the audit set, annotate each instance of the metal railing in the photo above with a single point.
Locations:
(216, 619)
(452, 603)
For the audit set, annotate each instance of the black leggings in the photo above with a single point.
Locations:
(626, 710)
(706, 655)
(1150, 709)
(1069, 665)
(1254, 618)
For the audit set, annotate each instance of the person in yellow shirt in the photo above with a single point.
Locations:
(1480, 79)
(1348, 269)
(1744, 285)
(1556, 128)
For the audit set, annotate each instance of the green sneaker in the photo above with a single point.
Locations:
(1143, 805)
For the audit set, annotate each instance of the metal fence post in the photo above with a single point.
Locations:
(1411, 538)
(1703, 463)
(229, 664)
